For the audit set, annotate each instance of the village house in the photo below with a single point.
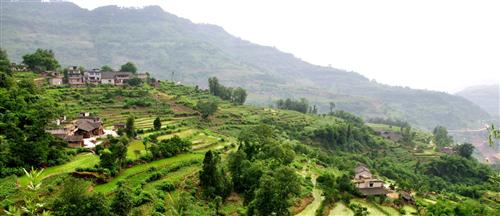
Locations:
(143, 76)
(88, 126)
(367, 184)
(19, 67)
(75, 77)
(391, 135)
(85, 126)
(108, 78)
(56, 80)
(122, 77)
(74, 141)
(67, 135)
(93, 76)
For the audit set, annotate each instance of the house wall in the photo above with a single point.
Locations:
(56, 81)
(366, 184)
(108, 81)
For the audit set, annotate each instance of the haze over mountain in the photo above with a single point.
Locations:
(486, 96)
(162, 43)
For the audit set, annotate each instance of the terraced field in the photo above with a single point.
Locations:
(136, 174)
(340, 209)
(82, 160)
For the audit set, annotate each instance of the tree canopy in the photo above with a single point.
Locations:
(206, 108)
(441, 137)
(128, 67)
(41, 60)
(235, 95)
(4, 62)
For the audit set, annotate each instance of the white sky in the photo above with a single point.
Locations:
(441, 45)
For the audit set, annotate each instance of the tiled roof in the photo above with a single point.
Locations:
(108, 75)
(87, 124)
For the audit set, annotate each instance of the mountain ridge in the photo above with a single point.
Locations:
(162, 43)
(485, 96)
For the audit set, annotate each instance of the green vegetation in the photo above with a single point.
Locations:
(441, 137)
(24, 115)
(301, 105)
(41, 60)
(245, 160)
(206, 108)
(236, 96)
(128, 67)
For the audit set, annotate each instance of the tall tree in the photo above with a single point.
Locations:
(332, 107)
(213, 86)
(441, 137)
(275, 192)
(129, 127)
(157, 123)
(129, 67)
(212, 177)
(465, 150)
(41, 60)
(4, 62)
(239, 96)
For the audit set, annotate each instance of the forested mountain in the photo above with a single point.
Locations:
(486, 96)
(167, 45)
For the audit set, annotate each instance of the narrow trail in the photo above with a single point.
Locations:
(313, 206)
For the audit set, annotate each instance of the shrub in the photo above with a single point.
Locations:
(166, 186)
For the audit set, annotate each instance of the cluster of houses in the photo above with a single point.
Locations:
(74, 132)
(76, 77)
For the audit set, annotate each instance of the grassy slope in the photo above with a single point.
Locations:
(220, 131)
(82, 160)
(130, 173)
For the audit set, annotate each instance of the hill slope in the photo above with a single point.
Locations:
(163, 43)
(487, 97)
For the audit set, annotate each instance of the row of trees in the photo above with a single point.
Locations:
(235, 95)
(301, 105)
(44, 59)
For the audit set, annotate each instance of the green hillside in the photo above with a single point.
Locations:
(162, 43)
(306, 161)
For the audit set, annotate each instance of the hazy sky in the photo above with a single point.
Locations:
(440, 45)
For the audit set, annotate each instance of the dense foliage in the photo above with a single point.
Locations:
(24, 116)
(128, 67)
(213, 178)
(41, 60)
(441, 137)
(235, 95)
(206, 108)
(301, 105)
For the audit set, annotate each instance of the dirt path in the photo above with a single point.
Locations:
(314, 205)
